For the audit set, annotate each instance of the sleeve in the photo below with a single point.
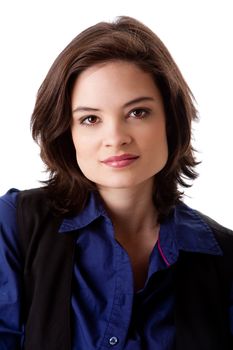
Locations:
(11, 329)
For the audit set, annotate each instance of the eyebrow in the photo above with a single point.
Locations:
(127, 104)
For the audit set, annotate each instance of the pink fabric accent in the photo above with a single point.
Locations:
(161, 252)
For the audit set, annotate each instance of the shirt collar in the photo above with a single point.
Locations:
(92, 211)
(185, 230)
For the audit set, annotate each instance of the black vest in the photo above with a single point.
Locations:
(202, 283)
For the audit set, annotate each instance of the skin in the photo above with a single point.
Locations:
(107, 123)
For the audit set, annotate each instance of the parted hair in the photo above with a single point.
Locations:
(123, 39)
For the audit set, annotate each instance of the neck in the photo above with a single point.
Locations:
(131, 210)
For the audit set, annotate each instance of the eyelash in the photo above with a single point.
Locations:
(146, 113)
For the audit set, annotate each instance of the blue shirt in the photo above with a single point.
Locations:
(106, 312)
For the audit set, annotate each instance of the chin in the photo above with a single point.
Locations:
(117, 184)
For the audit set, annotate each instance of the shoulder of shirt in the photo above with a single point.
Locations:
(188, 213)
(8, 200)
(8, 226)
(214, 224)
(222, 234)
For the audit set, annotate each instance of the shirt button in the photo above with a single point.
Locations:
(113, 340)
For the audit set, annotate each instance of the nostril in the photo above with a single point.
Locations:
(117, 140)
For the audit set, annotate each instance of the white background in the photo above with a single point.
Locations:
(198, 34)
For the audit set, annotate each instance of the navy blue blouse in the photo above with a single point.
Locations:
(106, 312)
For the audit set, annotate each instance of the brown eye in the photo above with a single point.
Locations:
(138, 113)
(90, 120)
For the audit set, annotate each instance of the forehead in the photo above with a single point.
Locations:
(115, 80)
(110, 66)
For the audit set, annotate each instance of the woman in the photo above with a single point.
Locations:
(107, 255)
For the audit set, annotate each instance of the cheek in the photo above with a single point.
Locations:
(161, 133)
(81, 151)
(156, 136)
(162, 145)
(77, 141)
(73, 136)
(83, 145)
(82, 156)
(159, 145)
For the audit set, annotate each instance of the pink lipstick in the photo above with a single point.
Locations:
(120, 161)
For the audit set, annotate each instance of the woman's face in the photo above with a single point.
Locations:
(118, 125)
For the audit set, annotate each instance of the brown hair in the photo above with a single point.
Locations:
(123, 39)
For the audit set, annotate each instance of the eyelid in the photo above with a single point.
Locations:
(146, 110)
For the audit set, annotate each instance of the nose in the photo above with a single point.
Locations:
(116, 134)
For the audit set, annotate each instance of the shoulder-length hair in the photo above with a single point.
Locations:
(124, 39)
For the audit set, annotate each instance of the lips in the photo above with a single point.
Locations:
(121, 161)
(120, 158)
